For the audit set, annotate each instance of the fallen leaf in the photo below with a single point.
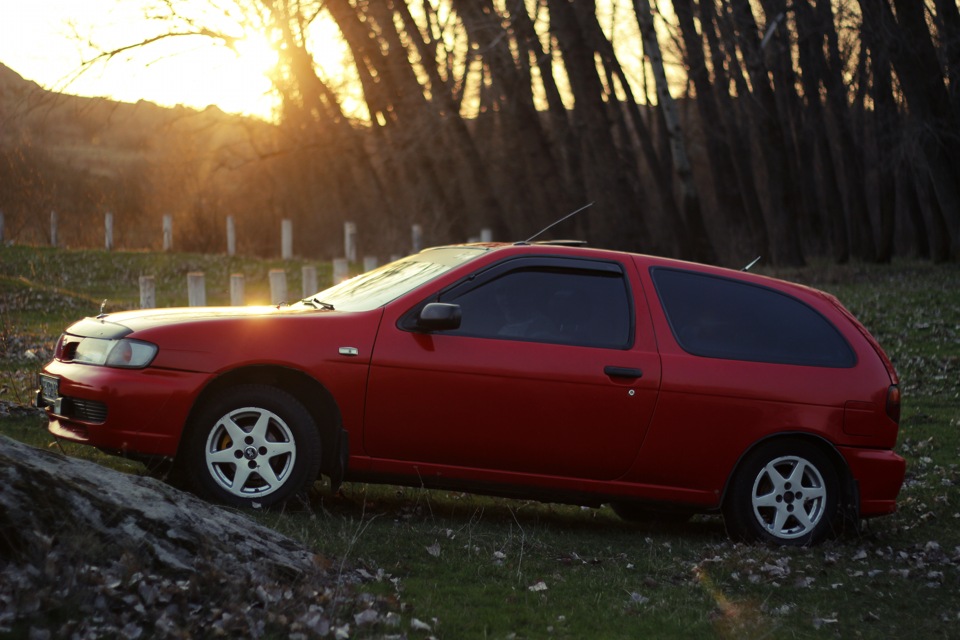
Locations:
(820, 622)
(367, 616)
(419, 625)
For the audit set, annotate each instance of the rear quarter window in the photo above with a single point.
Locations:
(718, 317)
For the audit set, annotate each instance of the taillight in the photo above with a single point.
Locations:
(893, 403)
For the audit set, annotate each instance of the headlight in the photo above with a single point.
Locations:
(127, 354)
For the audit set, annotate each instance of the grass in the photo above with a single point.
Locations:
(476, 567)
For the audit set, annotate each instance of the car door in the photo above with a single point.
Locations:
(549, 373)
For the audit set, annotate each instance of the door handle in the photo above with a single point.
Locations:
(623, 372)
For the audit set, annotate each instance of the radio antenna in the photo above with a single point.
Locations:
(550, 226)
(750, 266)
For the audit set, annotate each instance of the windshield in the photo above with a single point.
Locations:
(378, 287)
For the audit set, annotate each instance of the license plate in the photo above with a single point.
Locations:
(49, 388)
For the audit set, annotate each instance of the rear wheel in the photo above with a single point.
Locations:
(785, 492)
(252, 446)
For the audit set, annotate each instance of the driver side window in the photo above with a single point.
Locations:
(549, 305)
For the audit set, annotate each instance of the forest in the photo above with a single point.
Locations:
(710, 130)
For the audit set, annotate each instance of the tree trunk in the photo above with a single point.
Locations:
(461, 142)
(394, 95)
(727, 186)
(802, 189)
(317, 125)
(607, 180)
(566, 140)
(888, 130)
(632, 132)
(914, 58)
(524, 139)
(948, 23)
(739, 138)
(810, 55)
(784, 228)
(851, 153)
(697, 244)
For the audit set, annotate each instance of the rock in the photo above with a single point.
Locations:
(112, 553)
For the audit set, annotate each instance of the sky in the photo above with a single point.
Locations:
(46, 41)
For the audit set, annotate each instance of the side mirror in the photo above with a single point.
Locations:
(439, 316)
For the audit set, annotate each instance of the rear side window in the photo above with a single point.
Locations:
(718, 317)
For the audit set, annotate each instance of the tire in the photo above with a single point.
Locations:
(786, 493)
(252, 446)
(643, 514)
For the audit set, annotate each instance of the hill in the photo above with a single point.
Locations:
(81, 156)
(102, 135)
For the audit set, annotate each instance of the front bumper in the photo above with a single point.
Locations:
(140, 411)
(879, 474)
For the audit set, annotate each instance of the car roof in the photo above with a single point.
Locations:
(580, 249)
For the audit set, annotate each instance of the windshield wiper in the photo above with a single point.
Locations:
(319, 304)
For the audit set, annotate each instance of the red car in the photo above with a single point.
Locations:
(556, 372)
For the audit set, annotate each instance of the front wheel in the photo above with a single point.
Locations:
(252, 446)
(784, 492)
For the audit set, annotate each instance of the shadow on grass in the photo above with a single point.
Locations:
(410, 505)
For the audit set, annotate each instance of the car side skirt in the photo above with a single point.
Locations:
(562, 490)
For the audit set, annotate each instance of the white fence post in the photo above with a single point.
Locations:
(108, 231)
(167, 232)
(231, 237)
(237, 294)
(148, 292)
(369, 263)
(286, 239)
(309, 280)
(278, 286)
(53, 228)
(341, 270)
(486, 235)
(416, 233)
(196, 289)
(350, 241)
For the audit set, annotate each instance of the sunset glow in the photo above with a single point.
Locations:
(47, 41)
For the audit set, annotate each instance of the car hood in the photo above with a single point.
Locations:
(118, 325)
(212, 339)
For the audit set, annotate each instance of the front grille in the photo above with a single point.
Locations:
(88, 410)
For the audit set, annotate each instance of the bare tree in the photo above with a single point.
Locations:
(697, 243)
(824, 123)
(905, 37)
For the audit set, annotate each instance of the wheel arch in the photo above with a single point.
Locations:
(849, 493)
(314, 396)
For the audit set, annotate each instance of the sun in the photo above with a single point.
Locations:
(235, 78)
(256, 54)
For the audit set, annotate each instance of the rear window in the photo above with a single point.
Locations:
(719, 317)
